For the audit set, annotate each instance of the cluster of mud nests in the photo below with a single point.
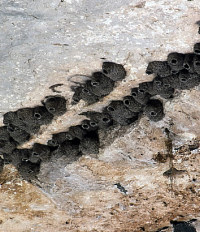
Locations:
(178, 72)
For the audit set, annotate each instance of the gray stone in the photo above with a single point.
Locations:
(45, 42)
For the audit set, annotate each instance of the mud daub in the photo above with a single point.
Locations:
(179, 71)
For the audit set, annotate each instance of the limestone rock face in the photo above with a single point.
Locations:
(133, 184)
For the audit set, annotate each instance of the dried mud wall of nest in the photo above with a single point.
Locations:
(123, 189)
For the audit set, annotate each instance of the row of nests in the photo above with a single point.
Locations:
(100, 84)
(20, 125)
(180, 71)
(177, 62)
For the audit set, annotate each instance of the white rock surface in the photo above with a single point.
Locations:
(44, 43)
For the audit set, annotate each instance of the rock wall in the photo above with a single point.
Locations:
(123, 188)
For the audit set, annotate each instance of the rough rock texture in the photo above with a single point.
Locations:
(45, 43)
(23, 207)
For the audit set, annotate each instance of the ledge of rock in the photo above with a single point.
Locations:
(131, 184)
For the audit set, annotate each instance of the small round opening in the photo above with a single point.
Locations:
(149, 72)
(166, 85)
(186, 66)
(37, 115)
(183, 79)
(35, 154)
(127, 102)
(95, 83)
(85, 90)
(53, 142)
(85, 126)
(68, 137)
(105, 119)
(52, 109)
(197, 51)
(174, 61)
(75, 100)
(109, 108)
(141, 90)
(105, 71)
(134, 94)
(197, 63)
(174, 71)
(152, 113)
(93, 124)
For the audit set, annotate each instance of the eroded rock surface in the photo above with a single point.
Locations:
(123, 188)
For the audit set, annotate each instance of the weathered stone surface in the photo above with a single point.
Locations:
(46, 42)
(23, 207)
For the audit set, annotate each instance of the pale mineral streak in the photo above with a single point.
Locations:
(43, 43)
